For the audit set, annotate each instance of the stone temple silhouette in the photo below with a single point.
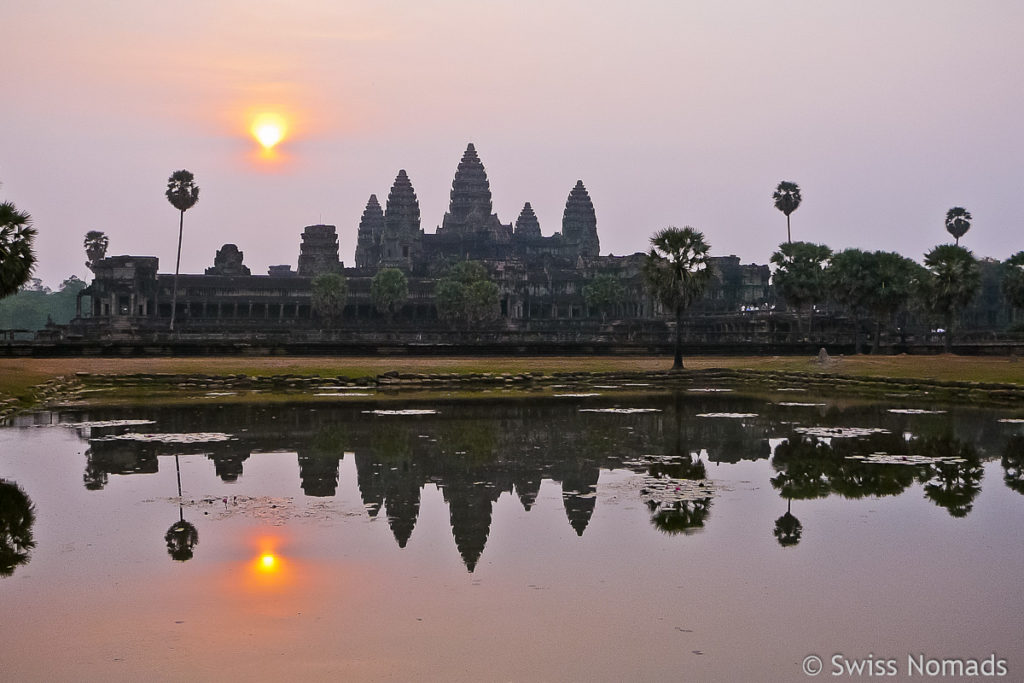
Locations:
(540, 277)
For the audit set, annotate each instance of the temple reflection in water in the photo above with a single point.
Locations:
(473, 452)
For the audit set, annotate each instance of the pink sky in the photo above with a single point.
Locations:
(672, 113)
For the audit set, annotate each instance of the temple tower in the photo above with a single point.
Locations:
(579, 222)
(228, 261)
(527, 224)
(318, 252)
(469, 212)
(401, 239)
(371, 232)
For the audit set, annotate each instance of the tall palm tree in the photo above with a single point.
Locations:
(95, 244)
(17, 258)
(182, 193)
(787, 199)
(677, 270)
(958, 222)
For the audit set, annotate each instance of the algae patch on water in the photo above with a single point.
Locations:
(620, 411)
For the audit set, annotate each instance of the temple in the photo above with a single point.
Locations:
(540, 277)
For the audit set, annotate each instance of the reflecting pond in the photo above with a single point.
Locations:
(696, 535)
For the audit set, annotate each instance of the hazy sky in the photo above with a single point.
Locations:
(672, 112)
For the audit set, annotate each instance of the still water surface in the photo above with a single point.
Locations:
(687, 536)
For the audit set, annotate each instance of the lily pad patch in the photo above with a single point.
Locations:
(106, 423)
(737, 416)
(194, 437)
(888, 459)
(840, 432)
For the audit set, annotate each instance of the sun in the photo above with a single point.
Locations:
(269, 129)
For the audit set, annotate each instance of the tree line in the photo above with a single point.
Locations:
(873, 285)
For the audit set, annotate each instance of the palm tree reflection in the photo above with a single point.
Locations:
(683, 514)
(183, 536)
(1013, 463)
(801, 465)
(954, 483)
(788, 528)
(17, 516)
(679, 517)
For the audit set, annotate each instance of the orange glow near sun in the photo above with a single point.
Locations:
(269, 129)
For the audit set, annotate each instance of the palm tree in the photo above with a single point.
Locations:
(677, 270)
(603, 293)
(958, 222)
(850, 279)
(1013, 279)
(330, 292)
(787, 199)
(17, 515)
(95, 244)
(389, 290)
(800, 276)
(182, 193)
(896, 277)
(953, 281)
(17, 257)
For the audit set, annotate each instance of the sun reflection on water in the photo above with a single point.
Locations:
(268, 568)
(268, 563)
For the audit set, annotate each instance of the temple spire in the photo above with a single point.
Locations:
(403, 213)
(579, 222)
(527, 224)
(471, 191)
(371, 230)
(470, 209)
(400, 243)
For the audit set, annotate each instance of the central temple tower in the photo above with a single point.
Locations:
(469, 212)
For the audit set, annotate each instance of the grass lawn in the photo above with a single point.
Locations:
(19, 375)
